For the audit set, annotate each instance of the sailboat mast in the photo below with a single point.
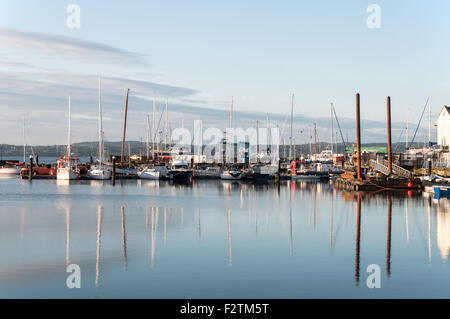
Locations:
(24, 145)
(148, 137)
(407, 120)
(167, 124)
(332, 128)
(257, 141)
(122, 158)
(100, 125)
(69, 152)
(154, 128)
(292, 123)
(429, 123)
(231, 113)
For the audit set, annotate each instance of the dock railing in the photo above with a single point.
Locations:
(383, 168)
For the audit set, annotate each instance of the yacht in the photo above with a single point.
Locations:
(99, 171)
(180, 171)
(149, 173)
(67, 165)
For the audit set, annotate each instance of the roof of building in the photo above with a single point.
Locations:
(446, 108)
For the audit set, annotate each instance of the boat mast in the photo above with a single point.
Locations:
(407, 120)
(69, 152)
(257, 141)
(124, 128)
(310, 138)
(100, 125)
(148, 137)
(292, 123)
(429, 123)
(332, 128)
(154, 128)
(24, 145)
(167, 124)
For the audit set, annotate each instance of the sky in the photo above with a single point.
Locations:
(198, 54)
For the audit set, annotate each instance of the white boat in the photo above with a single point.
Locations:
(68, 165)
(67, 171)
(100, 172)
(149, 173)
(231, 174)
(10, 170)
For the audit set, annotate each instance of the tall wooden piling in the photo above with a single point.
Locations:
(389, 134)
(37, 160)
(429, 167)
(113, 177)
(358, 137)
(30, 172)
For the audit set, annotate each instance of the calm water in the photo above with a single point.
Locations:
(214, 239)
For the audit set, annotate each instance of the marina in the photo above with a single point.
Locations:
(217, 159)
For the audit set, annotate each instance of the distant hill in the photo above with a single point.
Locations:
(115, 148)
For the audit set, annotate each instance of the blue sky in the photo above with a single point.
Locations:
(200, 53)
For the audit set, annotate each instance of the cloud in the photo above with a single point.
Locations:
(63, 46)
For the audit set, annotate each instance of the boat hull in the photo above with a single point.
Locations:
(180, 176)
(10, 170)
(149, 174)
(230, 177)
(99, 174)
(67, 174)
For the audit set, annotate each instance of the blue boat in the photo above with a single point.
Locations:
(442, 190)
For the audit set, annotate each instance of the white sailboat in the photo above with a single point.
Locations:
(99, 171)
(68, 165)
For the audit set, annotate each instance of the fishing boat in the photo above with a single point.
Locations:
(99, 171)
(180, 171)
(68, 165)
(231, 174)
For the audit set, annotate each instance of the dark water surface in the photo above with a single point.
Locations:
(216, 239)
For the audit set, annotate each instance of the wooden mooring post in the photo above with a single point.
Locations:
(113, 177)
(30, 172)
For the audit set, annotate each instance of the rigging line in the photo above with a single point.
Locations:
(398, 141)
(340, 131)
(423, 111)
(159, 122)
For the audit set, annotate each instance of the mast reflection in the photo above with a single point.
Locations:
(388, 253)
(124, 238)
(358, 233)
(99, 234)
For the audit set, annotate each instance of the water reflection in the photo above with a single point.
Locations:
(308, 228)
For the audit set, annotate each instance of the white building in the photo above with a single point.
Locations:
(443, 127)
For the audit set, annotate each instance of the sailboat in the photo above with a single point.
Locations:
(99, 171)
(67, 164)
